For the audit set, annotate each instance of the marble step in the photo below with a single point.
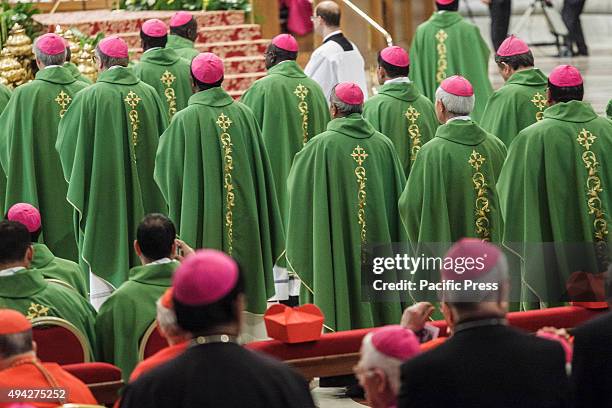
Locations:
(231, 49)
(241, 82)
(122, 21)
(244, 65)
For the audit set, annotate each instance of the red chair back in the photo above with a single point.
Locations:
(59, 341)
(103, 380)
(152, 341)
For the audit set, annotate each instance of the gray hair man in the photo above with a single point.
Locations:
(382, 353)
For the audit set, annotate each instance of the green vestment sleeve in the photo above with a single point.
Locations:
(554, 187)
(451, 193)
(107, 142)
(214, 172)
(30, 161)
(439, 50)
(169, 74)
(516, 105)
(400, 112)
(343, 192)
(128, 313)
(290, 109)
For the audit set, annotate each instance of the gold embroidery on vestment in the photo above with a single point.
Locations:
(301, 92)
(482, 209)
(35, 310)
(63, 100)
(413, 131)
(132, 100)
(441, 36)
(540, 103)
(168, 79)
(224, 122)
(359, 155)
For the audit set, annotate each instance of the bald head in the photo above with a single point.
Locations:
(329, 12)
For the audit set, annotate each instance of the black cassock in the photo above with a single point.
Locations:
(220, 375)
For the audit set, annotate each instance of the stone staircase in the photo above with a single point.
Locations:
(226, 33)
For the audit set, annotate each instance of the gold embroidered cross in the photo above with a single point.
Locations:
(301, 92)
(586, 139)
(224, 122)
(132, 99)
(359, 155)
(35, 310)
(167, 79)
(476, 160)
(441, 36)
(63, 100)
(412, 114)
(539, 100)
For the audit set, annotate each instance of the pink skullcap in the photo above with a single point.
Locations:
(286, 42)
(51, 44)
(114, 47)
(207, 68)
(204, 278)
(564, 76)
(458, 86)
(12, 322)
(180, 18)
(154, 28)
(471, 259)
(350, 93)
(395, 56)
(26, 214)
(396, 342)
(566, 346)
(512, 46)
(444, 2)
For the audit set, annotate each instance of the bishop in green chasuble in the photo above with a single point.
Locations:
(107, 142)
(5, 95)
(399, 111)
(522, 99)
(343, 192)
(29, 159)
(290, 109)
(446, 45)
(162, 68)
(557, 171)
(183, 33)
(451, 191)
(214, 171)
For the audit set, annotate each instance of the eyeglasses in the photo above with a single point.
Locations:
(313, 18)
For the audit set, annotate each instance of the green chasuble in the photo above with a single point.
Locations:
(64, 270)
(5, 95)
(291, 109)
(30, 161)
(29, 293)
(448, 45)
(558, 172)
(169, 74)
(343, 191)
(128, 312)
(107, 142)
(215, 174)
(451, 191)
(516, 105)
(184, 47)
(76, 74)
(400, 112)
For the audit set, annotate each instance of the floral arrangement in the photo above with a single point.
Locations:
(186, 5)
(18, 13)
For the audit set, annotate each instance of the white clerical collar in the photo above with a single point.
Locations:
(151, 49)
(459, 118)
(398, 80)
(52, 66)
(161, 261)
(115, 66)
(11, 271)
(332, 34)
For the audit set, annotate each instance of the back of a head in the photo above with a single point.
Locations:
(515, 53)
(50, 49)
(112, 51)
(284, 47)
(14, 242)
(15, 334)
(395, 61)
(457, 95)
(447, 5)
(348, 98)
(184, 25)
(154, 34)
(207, 71)
(156, 235)
(29, 216)
(565, 84)
(206, 288)
(330, 13)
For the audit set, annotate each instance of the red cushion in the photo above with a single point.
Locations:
(155, 343)
(91, 373)
(346, 342)
(57, 344)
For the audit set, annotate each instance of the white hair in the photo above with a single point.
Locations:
(372, 358)
(456, 105)
(166, 319)
(343, 107)
(46, 59)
